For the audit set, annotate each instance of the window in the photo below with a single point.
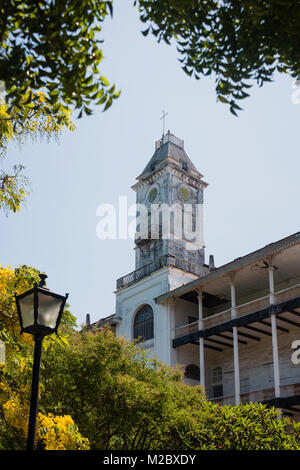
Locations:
(245, 385)
(217, 382)
(192, 371)
(143, 323)
(183, 165)
(217, 391)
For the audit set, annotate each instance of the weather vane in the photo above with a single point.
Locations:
(163, 118)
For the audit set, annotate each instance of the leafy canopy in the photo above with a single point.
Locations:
(237, 41)
(57, 45)
(122, 399)
(37, 120)
(54, 45)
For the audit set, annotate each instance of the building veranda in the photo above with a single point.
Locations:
(234, 328)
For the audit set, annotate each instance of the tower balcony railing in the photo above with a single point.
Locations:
(165, 260)
(169, 138)
(144, 271)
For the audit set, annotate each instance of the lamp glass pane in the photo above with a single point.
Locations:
(48, 310)
(27, 310)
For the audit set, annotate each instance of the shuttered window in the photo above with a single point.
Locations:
(143, 323)
(217, 382)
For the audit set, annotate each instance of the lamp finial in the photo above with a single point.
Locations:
(43, 278)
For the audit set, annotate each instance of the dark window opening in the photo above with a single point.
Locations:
(192, 371)
(217, 382)
(217, 391)
(183, 165)
(143, 324)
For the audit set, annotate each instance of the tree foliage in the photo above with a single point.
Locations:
(54, 45)
(57, 45)
(118, 399)
(12, 189)
(122, 399)
(15, 282)
(237, 41)
(36, 121)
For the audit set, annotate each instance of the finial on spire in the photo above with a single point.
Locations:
(163, 118)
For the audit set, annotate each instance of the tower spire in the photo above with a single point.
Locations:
(163, 120)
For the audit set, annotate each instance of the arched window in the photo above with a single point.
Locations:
(143, 323)
(192, 371)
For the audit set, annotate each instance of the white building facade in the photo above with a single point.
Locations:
(234, 329)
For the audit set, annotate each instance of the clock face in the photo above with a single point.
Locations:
(152, 195)
(184, 193)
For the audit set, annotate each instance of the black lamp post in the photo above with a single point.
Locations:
(39, 311)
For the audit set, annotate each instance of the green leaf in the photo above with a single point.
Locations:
(88, 111)
(108, 104)
(222, 99)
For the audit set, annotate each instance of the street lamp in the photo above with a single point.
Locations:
(39, 311)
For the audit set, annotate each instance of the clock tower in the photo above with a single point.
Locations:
(169, 248)
(169, 196)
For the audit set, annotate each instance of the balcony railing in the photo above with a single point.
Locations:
(258, 395)
(169, 138)
(186, 329)
(165, 260)
(288, 293)
(241, 310)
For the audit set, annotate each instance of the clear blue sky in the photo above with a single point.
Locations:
(251, 163)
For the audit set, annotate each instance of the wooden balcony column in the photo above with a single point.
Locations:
(272, 301)
(237, 391)
(171, 316)
(201, 340)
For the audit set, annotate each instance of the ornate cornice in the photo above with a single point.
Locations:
(168, 166)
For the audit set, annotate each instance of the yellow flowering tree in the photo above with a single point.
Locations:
(14, 281)
(53, 432)
(38, 119)
(59, 433)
